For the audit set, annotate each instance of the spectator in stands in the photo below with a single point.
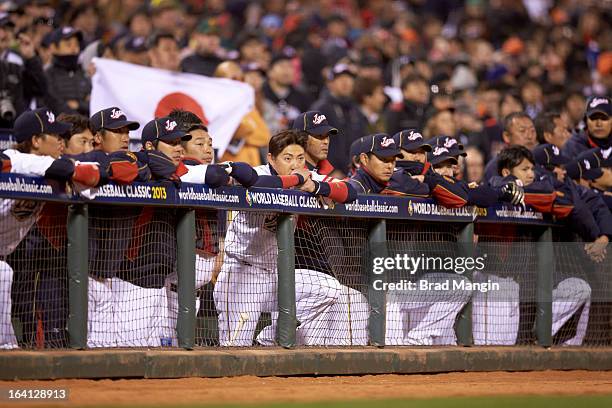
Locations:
(253, 49)
(551, 128)
(410, 113)
(474, 165)
(167, 16)
(441, 123)
(284, 102)
(139, 23)
(164, 51)
(134, 50)
(574, 107)
(598, 128)
(206, 50)
(252, 134)
(340, 108)
(21, 74)
(532, 97)
(79, 139)
(369, 94)
(68, 84)
(518, 130)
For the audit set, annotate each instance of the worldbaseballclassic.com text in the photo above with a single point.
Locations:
(412, 265)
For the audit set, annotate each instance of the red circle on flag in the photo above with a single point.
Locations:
(182, 101)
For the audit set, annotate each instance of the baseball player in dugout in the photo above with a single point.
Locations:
(246, 285)
(377, 163)
(37, 153)
(317, 148)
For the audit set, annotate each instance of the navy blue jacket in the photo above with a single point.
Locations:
(579, 142)
(446, 190)
(599, 208)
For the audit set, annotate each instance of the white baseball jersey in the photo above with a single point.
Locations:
(251, 236)
(18, 216)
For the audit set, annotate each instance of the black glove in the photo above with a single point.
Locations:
(512, 193)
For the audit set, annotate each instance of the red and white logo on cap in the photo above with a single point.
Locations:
(116, 113)
(170, 125)
(50, 117)
(387, 141)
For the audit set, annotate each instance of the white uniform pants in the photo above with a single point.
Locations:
(7, 334)
(315, 294)
(425, 317)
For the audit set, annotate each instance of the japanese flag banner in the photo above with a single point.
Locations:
(145, 93)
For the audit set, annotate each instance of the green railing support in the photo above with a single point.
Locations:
(287, 321)
(463, 327)
(185, 265)
(544, 288)
(77, 263)
(377, 248)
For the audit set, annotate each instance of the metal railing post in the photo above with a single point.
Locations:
(544, 288)
(287, 321)
(77, 262)
(185, 265)
(377, 248)
(463, 328)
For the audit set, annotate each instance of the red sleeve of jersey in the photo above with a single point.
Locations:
(6, 166)
(325, 167)
(338, 192)
(447, 198)
(123, 172)
(290, 181)
(562, 211)
(181, 170)
(542, 202)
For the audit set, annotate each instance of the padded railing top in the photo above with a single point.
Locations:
(17, 186)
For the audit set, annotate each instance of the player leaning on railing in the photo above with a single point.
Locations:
(246, 285)
(569, 295)
(37, 154)
(340, 324)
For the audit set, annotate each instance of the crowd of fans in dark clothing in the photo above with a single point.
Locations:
(453, 68)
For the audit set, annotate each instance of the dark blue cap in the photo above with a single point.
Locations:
(315, 123)
(590, 163)
(36, 122)
(63, 33)
(286, 54)
(382, 145)
(411, 140)
(358, 146)
(135, 44)
(599, 104)
(165, 129)
(548, 154)
(440, 154)
(454, 147)
(340, 69)
(111, 119)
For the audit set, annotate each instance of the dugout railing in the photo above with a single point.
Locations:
(377, 226)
